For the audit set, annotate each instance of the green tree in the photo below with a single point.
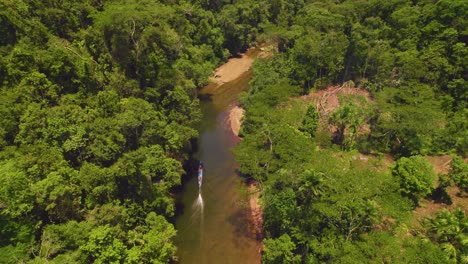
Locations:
(408, 119)
(280, 210)
(318, 58)
(415, 175)
(280, 250)
(310, 121)
(98, 183)
(58, 195)
(459, 173)
(348, 119)
(102, 246)
(16, 198)
(448, 229)
(58, 239)
(152, 242)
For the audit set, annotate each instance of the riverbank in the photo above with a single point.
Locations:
(233, 68)
(256, 212)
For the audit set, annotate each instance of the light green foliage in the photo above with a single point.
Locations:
(147, 174)
(99, 185)
(57, 239)
(56, 197)
(280, 250)
(152, 241)
(354, 194)
(448, 229)
(456, 132)
(421, 251)
(280, 210)
(14, 254)
(415, 175)
(15, 199)
(103, 246)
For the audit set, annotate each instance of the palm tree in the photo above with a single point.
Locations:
(450, 230)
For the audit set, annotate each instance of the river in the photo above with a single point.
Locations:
(215, 225)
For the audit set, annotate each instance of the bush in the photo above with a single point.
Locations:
(415, 175)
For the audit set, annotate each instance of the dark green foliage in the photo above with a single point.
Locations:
(408, 120)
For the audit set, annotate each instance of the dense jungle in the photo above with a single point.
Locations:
(355, 128)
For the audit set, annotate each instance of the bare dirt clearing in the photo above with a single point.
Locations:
(327, 100)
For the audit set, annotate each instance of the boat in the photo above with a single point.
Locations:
(200, 175)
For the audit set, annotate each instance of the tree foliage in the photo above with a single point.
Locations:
(98, 111)
(311, 121)
(448, 229)
(98, 108)
(280, 250)
(459, 173)
(415, 175)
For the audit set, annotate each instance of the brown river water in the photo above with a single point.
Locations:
(215, 224)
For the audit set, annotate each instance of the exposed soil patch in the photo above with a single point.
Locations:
(327, 100)
(429, 208)
(441, 163)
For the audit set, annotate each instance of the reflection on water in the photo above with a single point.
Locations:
(214, 226)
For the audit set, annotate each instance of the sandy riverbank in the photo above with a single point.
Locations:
(256, 211)
(234, 119)
(232, 69)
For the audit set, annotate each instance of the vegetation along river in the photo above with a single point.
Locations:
(214, 226)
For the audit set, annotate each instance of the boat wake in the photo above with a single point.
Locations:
(198, 205)
(197, 213)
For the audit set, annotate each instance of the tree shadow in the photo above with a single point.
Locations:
(440, 195)
(205, 97)
(243, 227)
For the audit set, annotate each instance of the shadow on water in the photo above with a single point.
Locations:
(242, 226)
